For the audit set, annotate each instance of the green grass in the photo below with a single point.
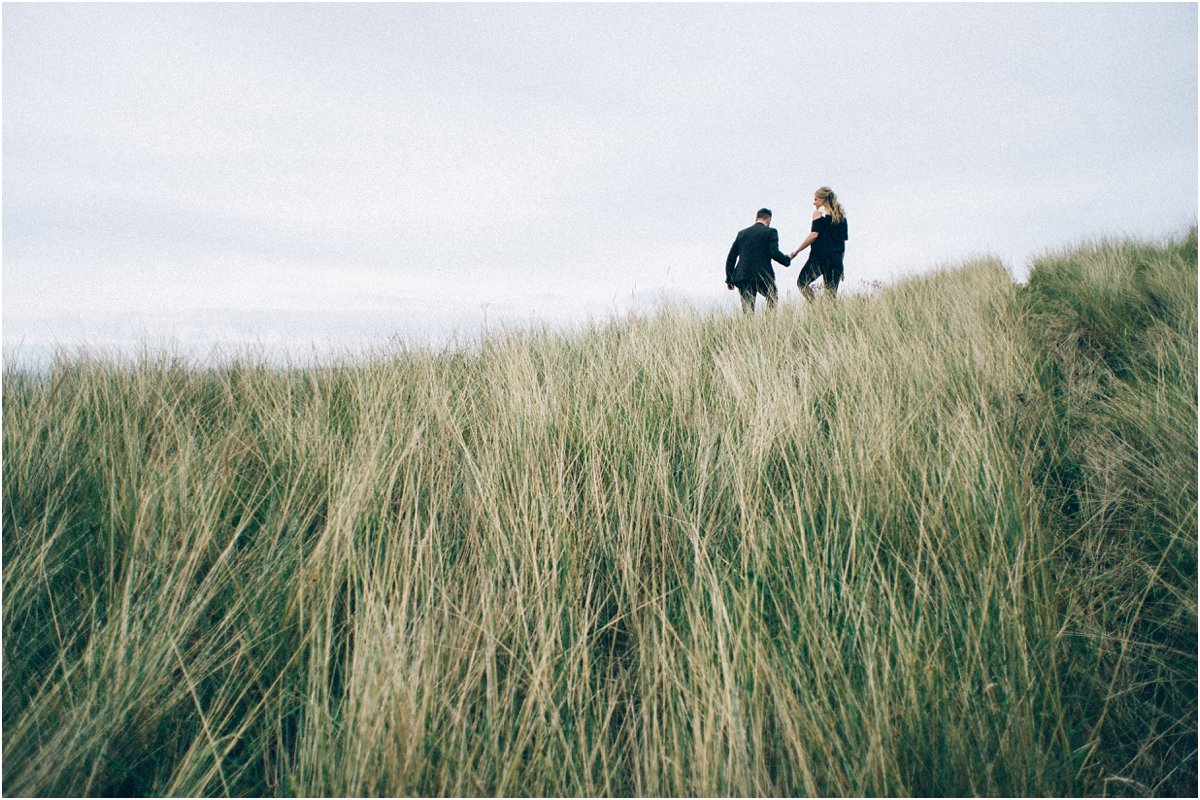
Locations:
(936, 541)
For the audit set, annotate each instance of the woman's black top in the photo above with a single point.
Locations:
(831, 240)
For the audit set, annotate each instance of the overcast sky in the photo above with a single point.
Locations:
(317, 176)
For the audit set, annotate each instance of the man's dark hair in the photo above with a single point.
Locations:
(763, 213)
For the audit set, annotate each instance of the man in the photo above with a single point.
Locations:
(748, 267)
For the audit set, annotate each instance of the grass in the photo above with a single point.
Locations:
(936, 541)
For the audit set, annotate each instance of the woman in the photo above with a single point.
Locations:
(828, 240)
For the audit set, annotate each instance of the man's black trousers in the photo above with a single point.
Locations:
(764, 285)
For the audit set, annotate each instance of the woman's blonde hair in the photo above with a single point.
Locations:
(830, 201)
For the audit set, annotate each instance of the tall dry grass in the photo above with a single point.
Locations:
(818, 552)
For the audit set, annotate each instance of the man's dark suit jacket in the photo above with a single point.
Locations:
(750, 257)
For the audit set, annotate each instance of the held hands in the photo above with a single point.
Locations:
(795, 252)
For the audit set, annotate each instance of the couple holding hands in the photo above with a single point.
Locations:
(748, 267)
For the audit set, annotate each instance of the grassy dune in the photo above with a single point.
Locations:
(937, 541)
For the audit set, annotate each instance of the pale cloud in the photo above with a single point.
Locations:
(168, 162)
